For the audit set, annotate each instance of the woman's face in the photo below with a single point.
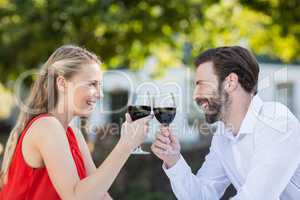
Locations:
(84, 89)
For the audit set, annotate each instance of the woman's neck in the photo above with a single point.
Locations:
(63, 118)
(63, 115)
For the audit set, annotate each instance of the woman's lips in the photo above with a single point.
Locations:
(91, 102)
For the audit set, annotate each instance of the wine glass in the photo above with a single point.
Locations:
(139, 107)
(164, 108)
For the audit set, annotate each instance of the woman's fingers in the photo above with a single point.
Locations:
(145, 120)
(128, 118)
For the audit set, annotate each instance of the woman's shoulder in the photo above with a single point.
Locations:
(44, 132)
(46, 127)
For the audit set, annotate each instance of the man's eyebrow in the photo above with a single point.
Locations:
(201, 81)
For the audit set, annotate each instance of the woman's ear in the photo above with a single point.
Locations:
(61, 83)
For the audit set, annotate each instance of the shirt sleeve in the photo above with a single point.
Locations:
(270, 175)
(208, 184)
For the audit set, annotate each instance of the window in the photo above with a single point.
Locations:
(285, 94)
(118, 106)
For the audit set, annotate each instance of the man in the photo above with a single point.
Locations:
(256, 145)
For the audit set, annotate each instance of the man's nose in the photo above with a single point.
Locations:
(196, 93)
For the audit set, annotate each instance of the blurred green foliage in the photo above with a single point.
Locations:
(125, 32)
(6, 102)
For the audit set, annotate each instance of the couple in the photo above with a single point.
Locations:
(47, 159)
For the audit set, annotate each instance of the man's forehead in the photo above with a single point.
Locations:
(205, 74)
(206, 68)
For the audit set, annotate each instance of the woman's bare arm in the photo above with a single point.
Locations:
(54, 149)
(87, 158)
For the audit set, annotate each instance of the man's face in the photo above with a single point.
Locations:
(207, 93)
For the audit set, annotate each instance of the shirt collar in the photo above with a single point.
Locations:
(248, 123)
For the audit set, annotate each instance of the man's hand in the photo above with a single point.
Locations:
(166, 147)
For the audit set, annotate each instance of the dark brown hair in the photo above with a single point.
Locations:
(233, 59)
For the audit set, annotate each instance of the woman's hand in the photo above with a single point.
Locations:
(133, 133)
(107, 197)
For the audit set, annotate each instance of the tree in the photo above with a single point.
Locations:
(125, 32)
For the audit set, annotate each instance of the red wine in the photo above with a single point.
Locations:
(138, 112)
(165, 115)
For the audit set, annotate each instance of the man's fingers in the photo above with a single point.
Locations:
(161, 145)
(168, 133)
(173, 138)
(157, 150)
(163, 138)
(165, 131)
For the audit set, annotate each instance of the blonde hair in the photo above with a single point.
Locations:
(65, 61)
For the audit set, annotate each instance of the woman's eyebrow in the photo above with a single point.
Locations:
(94, 81)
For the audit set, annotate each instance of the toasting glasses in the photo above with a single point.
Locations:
(164, 108)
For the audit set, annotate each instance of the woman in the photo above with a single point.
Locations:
(44, 157)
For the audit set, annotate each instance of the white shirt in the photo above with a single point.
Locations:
(262, 161)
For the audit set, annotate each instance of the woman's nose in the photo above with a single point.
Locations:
(99, 94)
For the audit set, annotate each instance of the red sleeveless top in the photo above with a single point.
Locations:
(27, 183)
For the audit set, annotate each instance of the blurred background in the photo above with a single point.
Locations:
(147, 45)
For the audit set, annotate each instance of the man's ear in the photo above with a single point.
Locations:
(231, 82)
(61, 83)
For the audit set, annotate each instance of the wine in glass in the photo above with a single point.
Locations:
(139, 107)
(164, 108)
